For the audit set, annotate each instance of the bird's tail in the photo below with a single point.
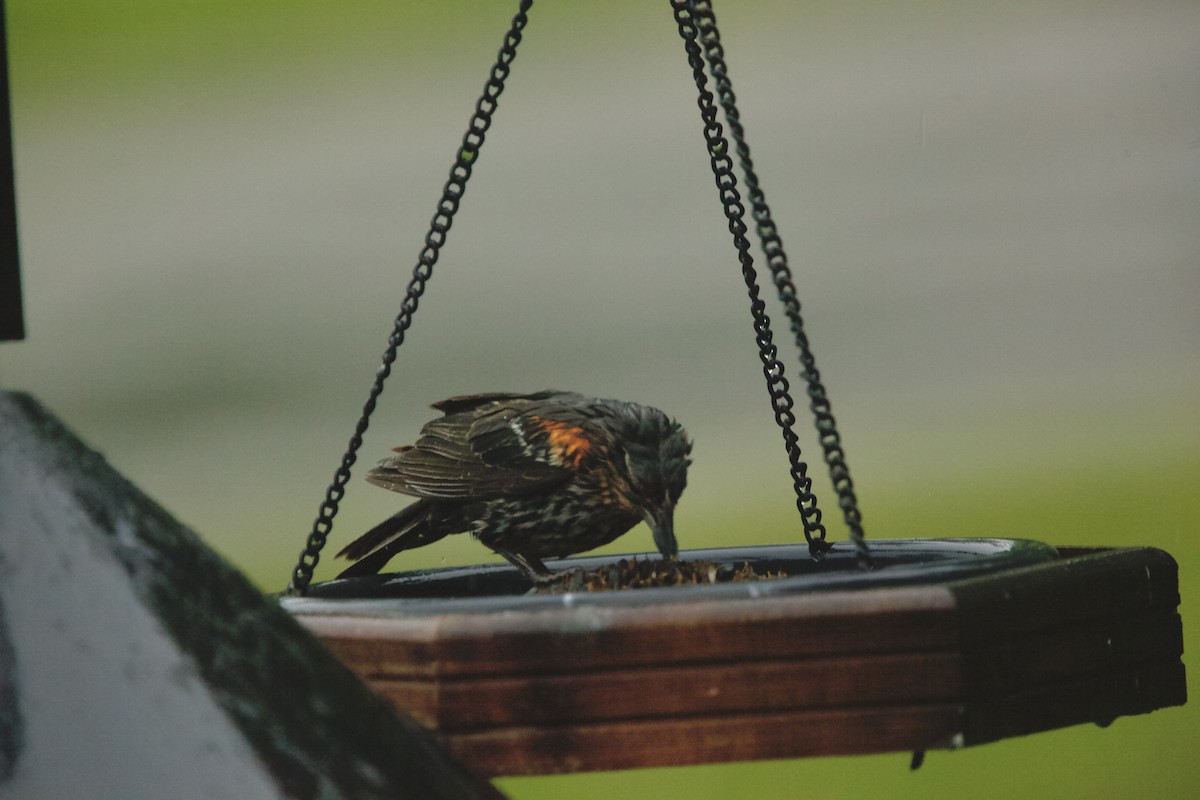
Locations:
(402, 531)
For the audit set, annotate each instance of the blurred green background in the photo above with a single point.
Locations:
(991, 210)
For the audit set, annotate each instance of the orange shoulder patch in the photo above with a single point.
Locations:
(568, 445)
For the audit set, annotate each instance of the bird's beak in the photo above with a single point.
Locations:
(662, 524)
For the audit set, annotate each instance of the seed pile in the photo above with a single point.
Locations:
(651, 573)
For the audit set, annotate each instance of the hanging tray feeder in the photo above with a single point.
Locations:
(903, 646)
(947, 643)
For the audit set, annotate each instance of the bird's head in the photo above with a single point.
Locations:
(656, 450)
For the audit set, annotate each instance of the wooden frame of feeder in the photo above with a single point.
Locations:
(1087, 637)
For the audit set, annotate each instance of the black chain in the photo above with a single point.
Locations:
(447, 207)
(772, 246)
(735, 211)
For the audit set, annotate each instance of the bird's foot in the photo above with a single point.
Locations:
(567, 580)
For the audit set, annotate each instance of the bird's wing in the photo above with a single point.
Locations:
(471, 402)
(485, 446)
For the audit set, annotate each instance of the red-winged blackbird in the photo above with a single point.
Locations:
(532, 476)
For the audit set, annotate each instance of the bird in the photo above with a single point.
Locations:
(531, 476)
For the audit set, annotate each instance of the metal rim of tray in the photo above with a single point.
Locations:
(486, 588)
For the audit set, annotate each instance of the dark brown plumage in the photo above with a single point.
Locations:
(532, 476)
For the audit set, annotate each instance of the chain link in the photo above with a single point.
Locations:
(772, 246)
(735, 212)
(439, 226)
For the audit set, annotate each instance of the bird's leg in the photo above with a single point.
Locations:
(533, 568)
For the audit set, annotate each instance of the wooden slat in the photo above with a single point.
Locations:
(1105, 643)
(1060, 593)
(707, 739)
(647, 692)
(1100, 697)
(585, 638)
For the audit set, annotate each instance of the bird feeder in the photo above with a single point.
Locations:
(843, 648)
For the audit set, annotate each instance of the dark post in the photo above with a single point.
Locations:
(135, 663)
(12, 321)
